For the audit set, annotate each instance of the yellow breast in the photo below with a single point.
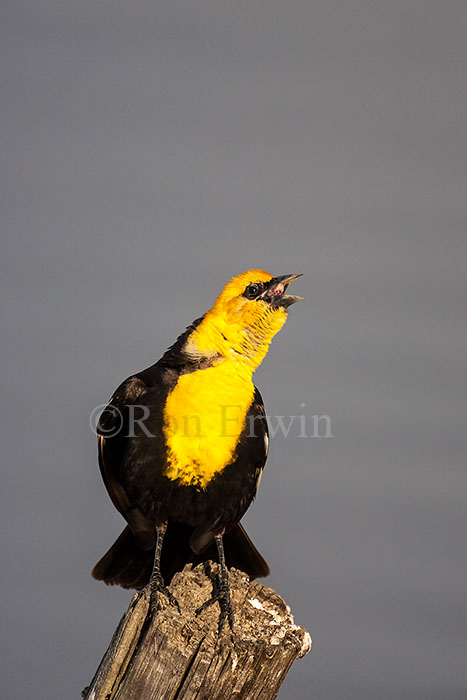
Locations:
(204, 416)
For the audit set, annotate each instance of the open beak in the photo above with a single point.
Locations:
(275, 292)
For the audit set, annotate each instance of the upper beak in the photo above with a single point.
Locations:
(275, 292)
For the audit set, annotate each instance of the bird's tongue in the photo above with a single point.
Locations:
(276, 290)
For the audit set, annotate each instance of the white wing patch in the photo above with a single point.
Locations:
(260, 471)
(258, 479)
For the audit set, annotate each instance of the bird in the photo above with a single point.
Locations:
(183, 443)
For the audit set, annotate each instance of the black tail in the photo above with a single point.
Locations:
(126, 564)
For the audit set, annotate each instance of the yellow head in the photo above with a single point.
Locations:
(246, 316)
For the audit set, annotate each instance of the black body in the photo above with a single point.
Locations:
(133, 471)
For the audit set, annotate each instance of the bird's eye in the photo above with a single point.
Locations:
(252, 290)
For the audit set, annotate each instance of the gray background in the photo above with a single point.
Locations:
(154, 149)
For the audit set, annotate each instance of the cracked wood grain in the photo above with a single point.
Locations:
(178, 656)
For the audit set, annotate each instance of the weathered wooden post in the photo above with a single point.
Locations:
(179, 656)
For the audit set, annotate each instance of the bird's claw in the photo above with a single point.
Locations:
(226, 611)
(157, 586)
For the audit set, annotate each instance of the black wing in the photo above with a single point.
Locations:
(112, 438)
(257, 414)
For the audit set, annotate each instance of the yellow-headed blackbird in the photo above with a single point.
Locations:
(182, 445)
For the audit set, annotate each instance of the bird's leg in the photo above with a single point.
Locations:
(222, 596)
(156, 582)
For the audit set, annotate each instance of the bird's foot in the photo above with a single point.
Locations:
(156, 587)
(221, 596)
